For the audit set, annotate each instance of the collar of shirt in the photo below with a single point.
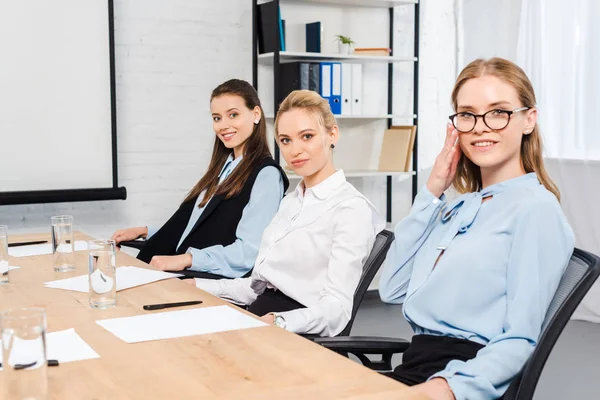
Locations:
(229, 166)
(462, 212)
(324, 189)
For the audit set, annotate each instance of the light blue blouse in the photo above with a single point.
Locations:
(502, 261)
(236, 259)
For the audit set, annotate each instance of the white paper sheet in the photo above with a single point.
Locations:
(4, 267)
(127, 277)
(64, 346)
(40, 249)
(67, 346)
(173, 324)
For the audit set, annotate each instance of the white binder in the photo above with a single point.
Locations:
(346, 89)
(357, 82)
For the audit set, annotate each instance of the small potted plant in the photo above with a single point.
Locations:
(345, 44)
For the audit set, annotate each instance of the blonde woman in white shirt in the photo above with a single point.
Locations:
(312, 254)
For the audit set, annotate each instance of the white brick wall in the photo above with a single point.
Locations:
(169, 56)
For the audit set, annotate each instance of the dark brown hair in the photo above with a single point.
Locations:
(255, 150)
(468, 174)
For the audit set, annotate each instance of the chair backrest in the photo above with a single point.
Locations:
(376, 257)
(580, 275)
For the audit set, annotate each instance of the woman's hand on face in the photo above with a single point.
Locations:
(129, 234)
(444, 168)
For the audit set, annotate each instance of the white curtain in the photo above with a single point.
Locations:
(559, 49)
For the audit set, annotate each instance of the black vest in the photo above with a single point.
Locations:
(217, 224)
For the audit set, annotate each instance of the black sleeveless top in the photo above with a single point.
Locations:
(216, 226)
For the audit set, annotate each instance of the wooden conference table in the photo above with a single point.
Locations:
(258, 363)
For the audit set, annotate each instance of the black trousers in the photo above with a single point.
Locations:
(273, 301)
(429, 354)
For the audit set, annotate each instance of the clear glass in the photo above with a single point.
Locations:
(3, 254)
(63, 243)
(102, 273)
(24, 354)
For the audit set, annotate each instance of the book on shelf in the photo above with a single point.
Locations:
(396, 149)
(314, 37)
(268, 21)
(372, 51)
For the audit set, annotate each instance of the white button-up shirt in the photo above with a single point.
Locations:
(313, 251)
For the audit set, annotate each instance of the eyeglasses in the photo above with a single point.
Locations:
(494, 119)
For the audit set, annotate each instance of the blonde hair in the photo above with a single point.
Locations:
(468, 175)
(312, 103)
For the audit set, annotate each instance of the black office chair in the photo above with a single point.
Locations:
(136, 244)
(376, 257)
(581, 273)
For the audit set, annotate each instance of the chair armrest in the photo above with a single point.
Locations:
(362, 345)
(136, 244)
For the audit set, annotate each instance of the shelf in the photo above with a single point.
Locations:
(358, 3)
(362, 174)
(366, 116)
(292, 56)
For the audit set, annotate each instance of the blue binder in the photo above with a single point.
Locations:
(325, 93)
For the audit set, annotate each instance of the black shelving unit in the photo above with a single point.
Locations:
(277, 59)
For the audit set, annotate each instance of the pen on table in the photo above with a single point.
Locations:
(169, 305)
(51, 363)
(27, 243)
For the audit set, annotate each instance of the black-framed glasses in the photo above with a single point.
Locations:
(496, 119)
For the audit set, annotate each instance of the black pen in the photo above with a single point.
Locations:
(169, 305)
(51, 363)
(27, 243)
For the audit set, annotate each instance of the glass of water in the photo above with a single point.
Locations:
(3, 254)
(102, 273)
(24, 354)
(62, 243)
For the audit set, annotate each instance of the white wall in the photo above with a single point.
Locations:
(169, 56)
(490, 29)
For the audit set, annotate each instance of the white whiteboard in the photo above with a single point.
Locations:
(55, 95)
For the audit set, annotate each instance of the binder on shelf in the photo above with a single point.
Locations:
(294, 76)
(356, 89)
(269, 20)
(396, 149)
(336, 88)
(313, 37)
(326, 81)
(346, 89)
(314, 77)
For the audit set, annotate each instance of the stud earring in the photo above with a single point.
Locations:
(256, 122)
(332, 145)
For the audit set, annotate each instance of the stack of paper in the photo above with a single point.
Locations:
(127, 277)
(40, 249)
(64, 346)
(167, 325)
